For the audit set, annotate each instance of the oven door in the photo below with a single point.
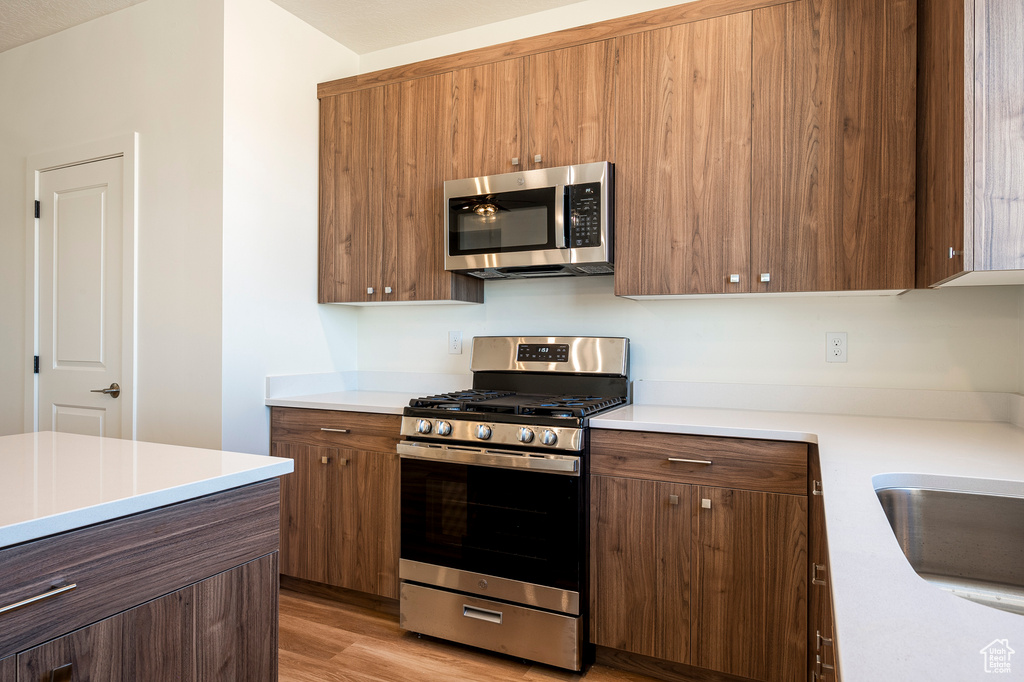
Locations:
(510, 532)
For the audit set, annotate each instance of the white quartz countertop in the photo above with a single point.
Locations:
(54, 482)
(891, 624)
(381, 402)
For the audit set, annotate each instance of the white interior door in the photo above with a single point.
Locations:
(80, 298)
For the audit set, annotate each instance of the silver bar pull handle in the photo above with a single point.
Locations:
(817, 490)
(481, 614)
(822, 641)
(814, 575)
(823, 665)
(690, 461)
(53, 592)
(63, 674)
(322, 428)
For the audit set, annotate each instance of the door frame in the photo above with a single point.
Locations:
(125, 146)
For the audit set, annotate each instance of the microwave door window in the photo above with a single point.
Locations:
(507, 230)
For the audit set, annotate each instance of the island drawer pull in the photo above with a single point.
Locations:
(485, 615)
(324, 428)
(689, 461)
(53, 592)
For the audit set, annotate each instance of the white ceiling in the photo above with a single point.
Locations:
(360, 25)
(22, 21)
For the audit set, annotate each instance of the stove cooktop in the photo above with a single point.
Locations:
(496, 402)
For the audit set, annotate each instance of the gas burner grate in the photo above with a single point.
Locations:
(457, 401)
(570, 406)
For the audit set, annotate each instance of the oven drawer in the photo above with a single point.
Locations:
(332, 428)
(514, 630)
(747, 464)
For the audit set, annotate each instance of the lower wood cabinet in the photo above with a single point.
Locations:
(339, 509)
(821, 643)
(705, 575)
(221, 627)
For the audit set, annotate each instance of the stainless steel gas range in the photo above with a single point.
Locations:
(494, 496)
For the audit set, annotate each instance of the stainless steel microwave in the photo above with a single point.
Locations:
(538, 223)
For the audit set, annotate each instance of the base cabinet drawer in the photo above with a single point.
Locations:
(514, 630)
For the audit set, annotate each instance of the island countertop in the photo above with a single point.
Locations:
(54, 482)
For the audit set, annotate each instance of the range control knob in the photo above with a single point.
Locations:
(525, 435)
(443, 428)
(549, 437)
(483, 431)
(423, 426)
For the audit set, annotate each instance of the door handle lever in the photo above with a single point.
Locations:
(113, 391)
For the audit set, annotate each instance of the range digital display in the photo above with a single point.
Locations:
(536, 352)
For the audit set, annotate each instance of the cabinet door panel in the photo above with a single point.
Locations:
(304, 511)
(236, 623)
(796, 154)
(159, 641)
(750, 586)
(417, 156)
(351, 195)
(683, 161)
(640, 584)
(9, 669)
(488, 119)
(572, 96)
(94, 652)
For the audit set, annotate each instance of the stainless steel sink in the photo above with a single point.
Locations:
(967, 543)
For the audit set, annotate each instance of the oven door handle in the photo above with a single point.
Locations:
(501, 459)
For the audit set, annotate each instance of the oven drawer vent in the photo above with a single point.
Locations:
(514, 630)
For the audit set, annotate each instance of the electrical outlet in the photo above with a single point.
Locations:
(455, 343)
(835, 347)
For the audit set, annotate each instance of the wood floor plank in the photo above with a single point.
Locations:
(323, 640)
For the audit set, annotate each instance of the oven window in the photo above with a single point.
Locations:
(519, 525)
(502, 222)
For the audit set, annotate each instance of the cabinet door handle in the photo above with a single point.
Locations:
(53, 592)
(515, 160)
(343, 462)
(63, 673)
(325, 460)
(817, 490)
(673, 499)
(823, 665)
(323, 428)
(814, 575)
(822, 641)
(536, 158)
(689, 461)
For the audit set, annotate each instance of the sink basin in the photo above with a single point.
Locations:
(967, 543)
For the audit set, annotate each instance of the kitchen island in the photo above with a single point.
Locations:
(127, 560)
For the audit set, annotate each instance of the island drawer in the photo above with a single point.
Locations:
(332, 428)
(119, 564)
(746, 464)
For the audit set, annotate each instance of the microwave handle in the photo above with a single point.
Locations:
(562, 213)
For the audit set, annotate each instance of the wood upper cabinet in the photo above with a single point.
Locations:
(970, 146)
(339, 508)
(698, 559)
(683, 162)
(558, 105)
(833, 197)
(383, 154)
(351, 178)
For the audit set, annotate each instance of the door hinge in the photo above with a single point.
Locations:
(35, 365)
(37, 208)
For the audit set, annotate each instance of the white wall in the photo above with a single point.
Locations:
(271, 321)
(154, 68)
(959, 339)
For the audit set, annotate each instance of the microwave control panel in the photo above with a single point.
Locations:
(584, 211)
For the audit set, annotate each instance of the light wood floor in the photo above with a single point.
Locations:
(323, 640)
